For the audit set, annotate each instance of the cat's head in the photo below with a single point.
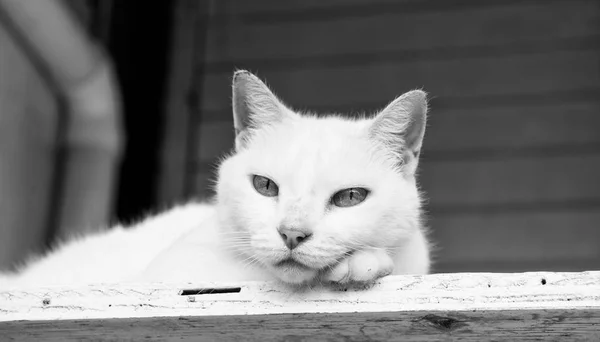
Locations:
(301, 192)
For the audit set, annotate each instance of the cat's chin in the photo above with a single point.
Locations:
(292, 272)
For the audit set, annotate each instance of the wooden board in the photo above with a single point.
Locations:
(512, 127)
(237, 7)
(554, 265)
(436, 307)
(360, 8)
(276, 31)
(378, 83)
(470, 183)
(514, 237)
(469, 130)
(524, 325)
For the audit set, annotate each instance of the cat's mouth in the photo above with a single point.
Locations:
(291, 263)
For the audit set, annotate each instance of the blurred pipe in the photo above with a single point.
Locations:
(84, 78)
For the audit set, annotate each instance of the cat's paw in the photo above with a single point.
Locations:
(361, 269)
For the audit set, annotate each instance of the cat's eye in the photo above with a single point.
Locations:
(265, 186)
(349, 197)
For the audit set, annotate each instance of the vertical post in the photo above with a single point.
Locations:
(83, 79)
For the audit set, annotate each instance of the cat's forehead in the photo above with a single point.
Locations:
(314, 151)
(314, 137)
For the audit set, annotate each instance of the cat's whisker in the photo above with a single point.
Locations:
(237, 245)
(250, 261)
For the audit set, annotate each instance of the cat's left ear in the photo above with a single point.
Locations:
(401, 128)
(254, 106)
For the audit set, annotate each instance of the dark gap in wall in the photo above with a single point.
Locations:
(194, 98)
(139, 45)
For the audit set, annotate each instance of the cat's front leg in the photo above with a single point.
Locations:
(361, 269)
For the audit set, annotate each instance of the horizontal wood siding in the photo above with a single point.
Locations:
(512, 153)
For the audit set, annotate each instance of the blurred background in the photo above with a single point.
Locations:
(110, 110)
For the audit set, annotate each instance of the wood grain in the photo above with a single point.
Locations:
(511, 127)
(501, 181)
(467, 130)
(482, 325)
(347, 85)
(347, 29)
(237, 7)
(469, 306)
(517, 237)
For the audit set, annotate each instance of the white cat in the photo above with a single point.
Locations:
(303, 199)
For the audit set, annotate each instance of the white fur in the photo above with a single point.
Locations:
(236, 238)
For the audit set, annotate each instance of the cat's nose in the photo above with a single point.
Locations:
(292, 238)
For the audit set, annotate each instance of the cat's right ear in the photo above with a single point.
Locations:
(254, 106)
(400, 127)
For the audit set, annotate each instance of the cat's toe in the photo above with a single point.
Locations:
(338, 274)
(359, 271)
(370, 265)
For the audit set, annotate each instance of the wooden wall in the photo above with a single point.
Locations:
(512, 154)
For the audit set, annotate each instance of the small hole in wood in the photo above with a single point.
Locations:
(543, 281)
(444, 323)
(190, 292)
(46, 301)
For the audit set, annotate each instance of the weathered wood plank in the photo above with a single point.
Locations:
(453, 291)
(513, 126)
(237, 7)
(469, 306)
(503, 266)
(505, 181)
(467, 129)
(377, 83)
(517, 237)
(265, 34)
(357, 8)
(521, 325)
